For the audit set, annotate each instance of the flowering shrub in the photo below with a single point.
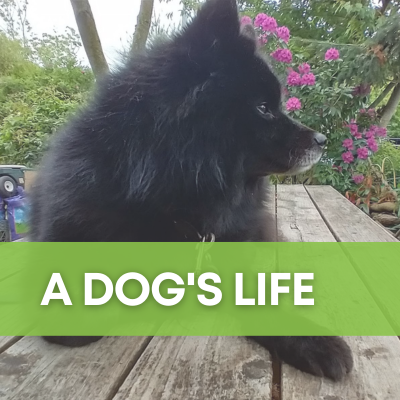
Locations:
(282, 55)
(293, 104)
(308, 79)
(294, 78)
(283, 33)
(316, 98)
(304, 68)
(358, 178)
(266, 23)
(332, 54)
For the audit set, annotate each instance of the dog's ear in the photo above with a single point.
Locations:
(217, 20)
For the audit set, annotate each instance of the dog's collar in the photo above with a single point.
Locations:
(191, 234)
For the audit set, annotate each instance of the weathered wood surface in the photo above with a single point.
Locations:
(35, 370)
(349, 224)
(295, 209)
(297, 218)
(208, 368)
(375, 375)
(7, 341)
(212, 368)
(344, 219)
(377, 359)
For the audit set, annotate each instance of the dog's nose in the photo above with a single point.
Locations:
(320, 139)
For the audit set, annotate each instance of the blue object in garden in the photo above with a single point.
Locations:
(15, 210)
(2, 211)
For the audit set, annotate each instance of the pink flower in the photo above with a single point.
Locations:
(381, 132)
(282, 55)
(358, 135)
(371, 112)
(373, 146)
(348, 157)
(293, 79)
(363, 111)
(270, 25)
(293, 104)
(259, 20)
(304, 68)
(362, 153)
(358, 178)
(263, 39)
(332, 54)
(246, 20)
(308, 79)
(283, 33)
(370, 134)
(348, 144)
(353, 128)
(373, 128)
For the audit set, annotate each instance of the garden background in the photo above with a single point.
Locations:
(338, 61)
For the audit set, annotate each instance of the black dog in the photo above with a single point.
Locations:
(182, 136)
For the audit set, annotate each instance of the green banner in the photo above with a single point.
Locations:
(117, 289)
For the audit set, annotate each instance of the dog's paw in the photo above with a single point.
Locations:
(72, 341)
(327, 356)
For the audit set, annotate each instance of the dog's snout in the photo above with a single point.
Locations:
(320, 139)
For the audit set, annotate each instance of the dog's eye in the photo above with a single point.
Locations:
(264, 110)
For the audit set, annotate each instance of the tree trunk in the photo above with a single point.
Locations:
(391, 106)
(384, 93)
(90, 37)
(385, 4)
(142, 26)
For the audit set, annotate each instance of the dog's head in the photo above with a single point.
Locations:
(221, 88)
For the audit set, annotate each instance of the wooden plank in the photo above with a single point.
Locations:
(347, 222)
(375, 375)
(198, 368)
(295, 208)
(350, 224)
(7, 341)
(377, 359)
(298, 219)
(36, 370)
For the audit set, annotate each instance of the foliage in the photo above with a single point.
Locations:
(36, 107)
(13, 14)
(12, 57)
(35, 98)
(394, 127)
(317, 20)
(367, 34)
(332, 94)
(388, 155)
(320, 100)
(57, 50)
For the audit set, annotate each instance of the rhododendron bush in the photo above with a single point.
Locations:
(313, 95)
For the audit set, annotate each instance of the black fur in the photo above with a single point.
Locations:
(185, 132)
(328, 356)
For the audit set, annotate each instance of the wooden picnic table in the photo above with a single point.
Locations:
(223, 368)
